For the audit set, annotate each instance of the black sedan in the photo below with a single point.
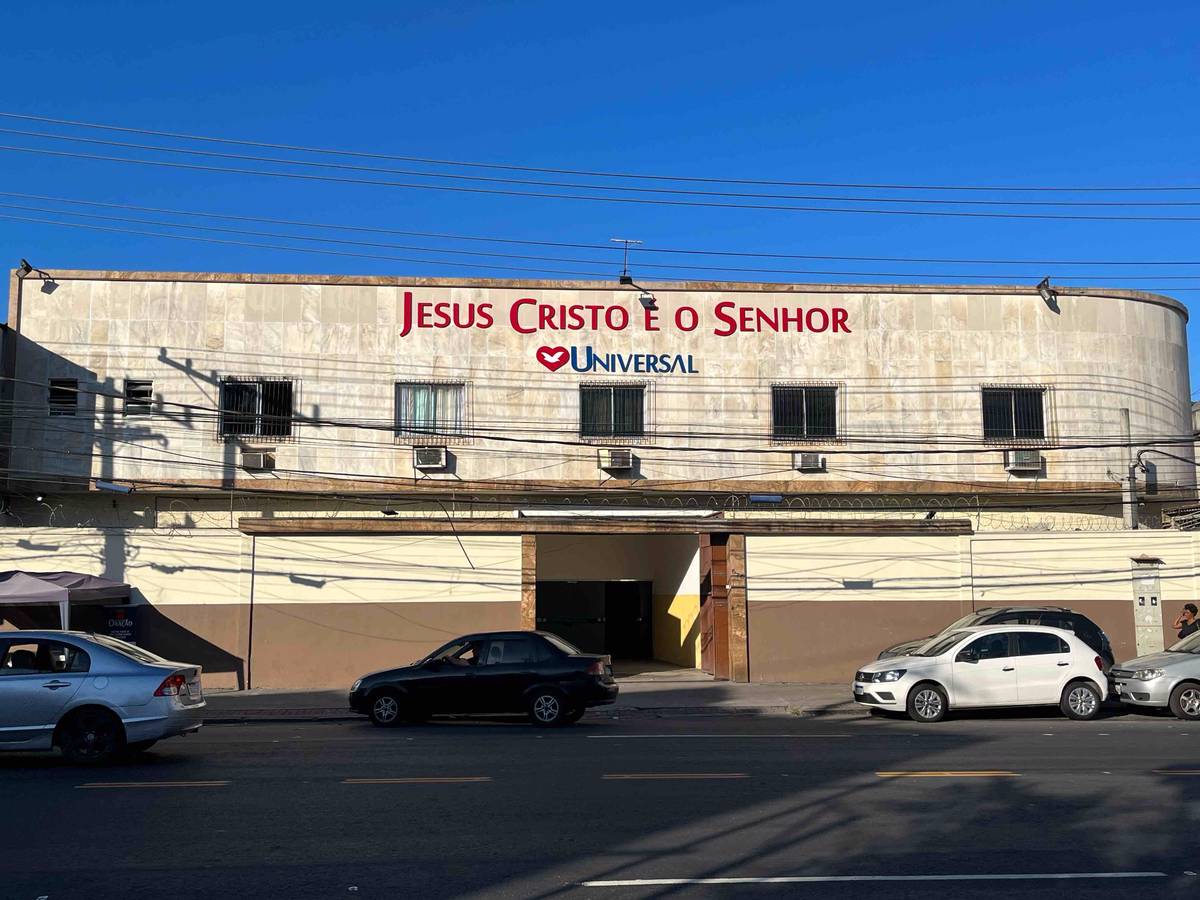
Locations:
(532, 672)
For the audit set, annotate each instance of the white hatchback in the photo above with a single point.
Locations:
(993, 665)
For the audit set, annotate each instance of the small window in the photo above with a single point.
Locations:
(1014, 414)
(256, 407)
(991, 646)
(612, 411)
(1039, 643)
(508, 651)
(430, 409)
(139, 397)
(64, 396)
(803, 412)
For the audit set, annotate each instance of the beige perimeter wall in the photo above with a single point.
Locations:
(820, 607)
(325, 610)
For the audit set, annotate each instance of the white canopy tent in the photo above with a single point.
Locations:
(59, 589)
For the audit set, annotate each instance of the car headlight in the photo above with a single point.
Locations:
(354, 687)
(1147, 674)
(892, 675)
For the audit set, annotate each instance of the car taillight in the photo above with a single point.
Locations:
(596, 668)
(171, 686)
(1099, 664)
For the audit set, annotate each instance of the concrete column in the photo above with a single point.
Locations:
(739, 634)
(529, 581)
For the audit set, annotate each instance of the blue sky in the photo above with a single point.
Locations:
(1010, 94)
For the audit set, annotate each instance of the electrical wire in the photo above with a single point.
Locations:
(673, 267)
(711, 204)
(158, 148)
(640, 249)
(600, 174)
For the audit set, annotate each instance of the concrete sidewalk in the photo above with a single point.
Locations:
(657, 697)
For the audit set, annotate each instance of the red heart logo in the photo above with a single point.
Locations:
(553, 358)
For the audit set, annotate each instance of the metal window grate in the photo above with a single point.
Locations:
(139, 397)
(256, 407)
(1014, 413)
(612, 411)
(803, 412)
(64, 396)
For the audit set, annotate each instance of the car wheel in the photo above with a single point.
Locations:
(385, 709)
(91, 736)
(927, 703)
(1185, 701)
(1080, 701)
(547, 709)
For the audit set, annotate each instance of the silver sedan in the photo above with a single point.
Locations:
(1170, 678)
(91, 696)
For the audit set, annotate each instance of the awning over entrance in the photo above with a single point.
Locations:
(59, 589)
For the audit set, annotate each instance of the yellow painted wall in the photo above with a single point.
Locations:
(677, 629)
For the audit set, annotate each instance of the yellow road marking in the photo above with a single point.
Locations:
(948, 774)
(465, 779)
(150, 784)
(673, 776)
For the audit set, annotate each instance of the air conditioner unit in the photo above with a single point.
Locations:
(1023, 461)
(258, 460)
(429, 458)
(808, 462)
(616, 458)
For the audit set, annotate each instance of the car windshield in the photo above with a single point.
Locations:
(562, 645)
(1190, 644)
(126, 649)
(940, 644)
(971, 618)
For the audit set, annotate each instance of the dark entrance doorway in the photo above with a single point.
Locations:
(613, 617)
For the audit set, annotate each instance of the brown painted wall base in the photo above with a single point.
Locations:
(318, 645)
(818, 641)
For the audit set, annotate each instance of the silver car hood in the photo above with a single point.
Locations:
(1161, 660)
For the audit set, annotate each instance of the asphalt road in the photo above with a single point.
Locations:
(609, 809)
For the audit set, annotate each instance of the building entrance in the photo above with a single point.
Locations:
(613, 617)
(632, 596)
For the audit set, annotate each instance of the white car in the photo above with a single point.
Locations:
(993, 665)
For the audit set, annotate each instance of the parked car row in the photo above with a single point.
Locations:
(1026, 656)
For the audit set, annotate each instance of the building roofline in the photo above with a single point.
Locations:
(594, 285)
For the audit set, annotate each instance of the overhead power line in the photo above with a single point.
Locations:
(485, 179)
(488, 266)
(655, 201)
(669, 267)
(602, 174)
(607, 247)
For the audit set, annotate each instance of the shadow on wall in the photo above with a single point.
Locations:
(167, 638)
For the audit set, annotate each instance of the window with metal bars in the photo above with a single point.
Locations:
(256, 407)
(803, 412)
(432, 409)
(612, 411)
(1014, 413)
(139, 397)
(64, 396)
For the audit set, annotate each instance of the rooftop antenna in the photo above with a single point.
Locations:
(625, 276)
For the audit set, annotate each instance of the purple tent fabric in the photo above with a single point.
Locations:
(59, 587)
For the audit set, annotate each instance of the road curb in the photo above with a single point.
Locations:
(256, 716)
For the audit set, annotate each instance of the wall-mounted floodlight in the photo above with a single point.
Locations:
(647, 300)
(114, 488)
(1047, 293)
(25, 269)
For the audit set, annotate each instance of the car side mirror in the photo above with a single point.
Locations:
(967, 656)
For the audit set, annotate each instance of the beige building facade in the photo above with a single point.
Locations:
(304, 477)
